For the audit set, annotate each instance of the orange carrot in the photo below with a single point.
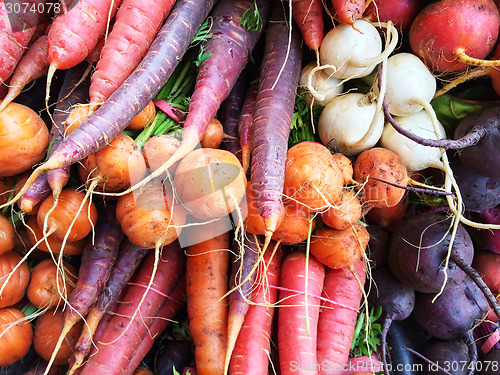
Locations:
(207, 282)
(339, 248)
(385, 166)
(295, 226)
(347, 211)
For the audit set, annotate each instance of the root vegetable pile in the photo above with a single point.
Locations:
(229, 187)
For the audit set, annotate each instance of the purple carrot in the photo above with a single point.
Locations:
(135, 93)
(55, 180)
(170, 307)
(229, 113)
(37, 192)
(229, 48)
(97, 260)
(72, 92)
(140, 304)
(245, 122)
(280, 71)
(101, 327)
(128, 259)
(240, 279)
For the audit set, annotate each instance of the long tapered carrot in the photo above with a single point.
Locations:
(31, 66)
(299, 311)
(75, 31)
(274, 107)
(136, 25)
(207, 282)
(245, 123)
(93, 274)
(229, 113)
(239, 299)
(123, 334)
(251, 353)
(308, 14)
(128, 259)
(173, 303)
(135, 93)
(337, 321)
(16, 31)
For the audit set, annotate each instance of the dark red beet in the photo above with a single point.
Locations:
(396, 299)
(478, 192)
(378, 245)
(419, 247)
(482, 158)
(452, 355)
(454, 312)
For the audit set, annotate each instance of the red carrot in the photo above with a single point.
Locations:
(123, 334)
(31, 66)
(251, 353)
(75, 31)
(274, 107)
(308, 14)
(298, 313)
(136, 25)
(348, 11)
(17, 28)
(172, 304)
(337, 322)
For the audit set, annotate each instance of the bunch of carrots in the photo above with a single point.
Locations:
(172, 173)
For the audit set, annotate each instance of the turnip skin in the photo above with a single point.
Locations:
(346, 119)
(483, 158)
(415, 156)
(409, 83)
(324, 85)
(360, 43)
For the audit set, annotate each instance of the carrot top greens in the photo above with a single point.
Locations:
(179, 88)
(251, 19)
(303, 121)
(362, 344)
